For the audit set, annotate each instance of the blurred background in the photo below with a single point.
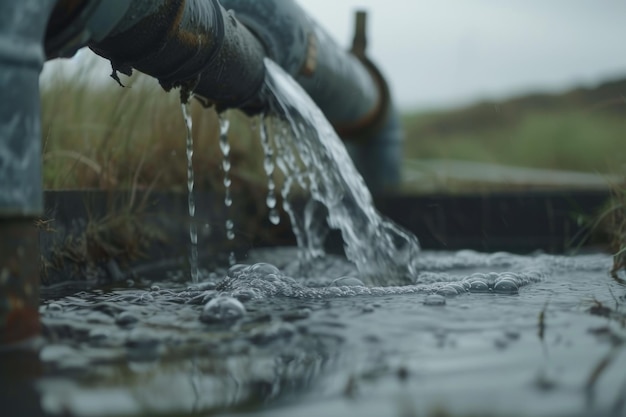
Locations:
(481, 85)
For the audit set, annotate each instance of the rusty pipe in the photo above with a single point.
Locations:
(22, 28)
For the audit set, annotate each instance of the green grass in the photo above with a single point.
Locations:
(557, 139)
(108, 137)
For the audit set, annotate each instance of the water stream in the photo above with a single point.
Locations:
(383, 252)
(224, 123)
(269, 166)
(193, 228)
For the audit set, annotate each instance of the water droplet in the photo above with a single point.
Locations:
(270, 201)
(506, 286)
(447, 291)
(347, 282)
(434, 300)
(478, 285)
(274, 217)
(126, 319)
(222, 310)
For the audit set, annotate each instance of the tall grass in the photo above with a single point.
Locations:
(100, 135)
(555, 139)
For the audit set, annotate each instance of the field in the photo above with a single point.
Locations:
(102, 135)
(579, 130)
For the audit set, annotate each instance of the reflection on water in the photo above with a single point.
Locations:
(254, 339)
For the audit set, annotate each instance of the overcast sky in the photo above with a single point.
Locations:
(447, 52)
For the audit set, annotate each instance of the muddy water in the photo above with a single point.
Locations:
(256, 340)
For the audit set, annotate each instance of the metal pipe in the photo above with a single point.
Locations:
(194, 44)
(342, 87)
(22, 28)
(348, 87)
(377, 149)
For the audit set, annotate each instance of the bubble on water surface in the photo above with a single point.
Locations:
(126, 319)
(347, 282)
(222, 310)
(478, 285)
(447, 291)
(434, 300)
(506, 285)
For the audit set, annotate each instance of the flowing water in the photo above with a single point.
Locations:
(193, 229)
(224, 123)
(390, 331)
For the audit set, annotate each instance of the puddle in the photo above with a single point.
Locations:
(257, 339)
(392, 332)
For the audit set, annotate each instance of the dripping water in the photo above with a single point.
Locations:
(193, 231)
(224, 123)
(269, 166)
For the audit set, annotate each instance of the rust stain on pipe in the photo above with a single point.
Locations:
(19, 280)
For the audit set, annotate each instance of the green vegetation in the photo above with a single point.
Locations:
(582, 130)
(107, 137)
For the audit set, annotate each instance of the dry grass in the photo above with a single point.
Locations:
(99, 135)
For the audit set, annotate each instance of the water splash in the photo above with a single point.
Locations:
(383, 252)
(307, 222)
(193, 230)
(224, 123)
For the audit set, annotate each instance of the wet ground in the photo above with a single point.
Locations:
(478, 334)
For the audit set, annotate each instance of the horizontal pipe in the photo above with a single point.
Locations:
(194, 44)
